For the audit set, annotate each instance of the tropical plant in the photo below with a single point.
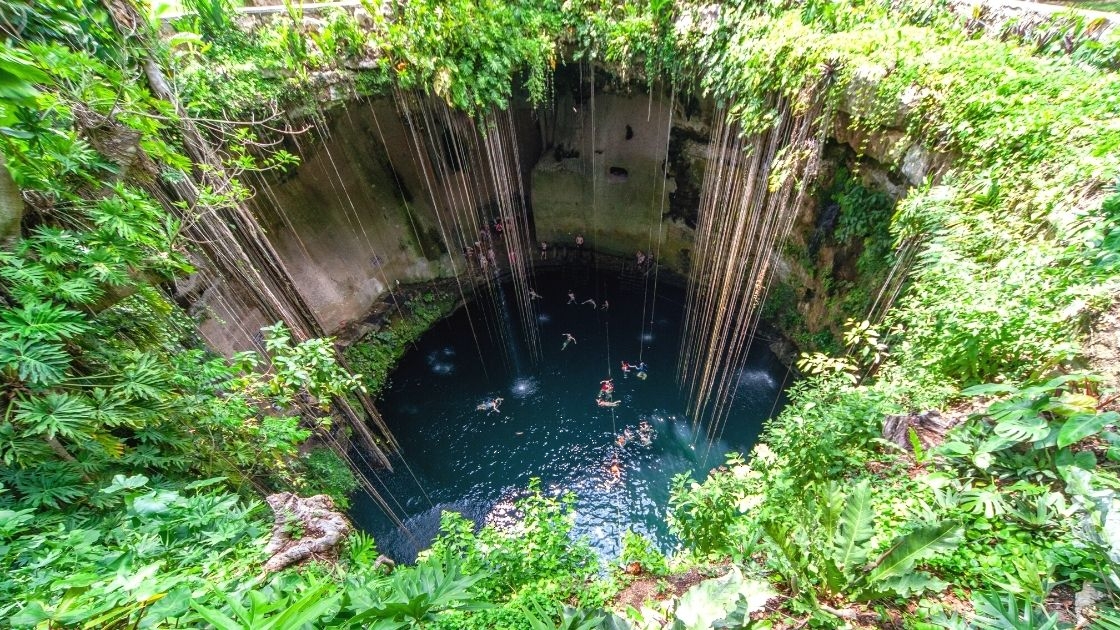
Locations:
(416, 595)
(842, 563)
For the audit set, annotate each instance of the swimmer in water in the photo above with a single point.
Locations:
(491, 406)
(642, 370)
(615, 469)
(624, 437)
(645, 433)
(626, 369)
(568, 338)
(606, 389)
(533, 295)
(603, 402)
(591, 302)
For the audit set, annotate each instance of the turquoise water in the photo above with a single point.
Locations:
(549, 426)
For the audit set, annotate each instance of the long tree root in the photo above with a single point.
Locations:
(304, 528)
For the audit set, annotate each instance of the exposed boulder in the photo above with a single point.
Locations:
(930, 426)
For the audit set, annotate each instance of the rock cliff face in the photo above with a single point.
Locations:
(364, 211)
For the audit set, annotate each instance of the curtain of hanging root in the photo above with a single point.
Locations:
(750, 197)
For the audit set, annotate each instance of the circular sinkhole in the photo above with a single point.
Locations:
(456, 457)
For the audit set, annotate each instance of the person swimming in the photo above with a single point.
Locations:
(624, 437)
(568, 338)
(606, 389)
(626, 367)
(533, 295)
(641, 367)
(491, 406)
(603, 402)
(645, 433)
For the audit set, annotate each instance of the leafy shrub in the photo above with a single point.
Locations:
(326, 473)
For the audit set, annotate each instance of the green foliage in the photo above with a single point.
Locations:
(112, 411)
(541, 555)
(327, 473)
(865, 218)
(838, 560)
(263, 614)
(160, 543)
(374, 355)
(709, 602)
(417, 595)
(1009, 613)
(638, 548)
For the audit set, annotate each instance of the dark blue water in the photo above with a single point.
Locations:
(549, 425)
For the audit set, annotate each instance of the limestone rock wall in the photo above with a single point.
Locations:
(603, 176)
(366, 208)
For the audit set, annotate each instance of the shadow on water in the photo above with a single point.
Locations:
(549, 425)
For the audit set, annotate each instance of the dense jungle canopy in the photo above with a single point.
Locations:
(135, 458)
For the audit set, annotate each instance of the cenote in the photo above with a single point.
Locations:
(458, 458)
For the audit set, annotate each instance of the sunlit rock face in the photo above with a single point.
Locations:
(367, 207)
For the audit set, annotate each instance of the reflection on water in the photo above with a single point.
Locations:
(617, 461)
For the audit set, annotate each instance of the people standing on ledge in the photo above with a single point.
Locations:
(544, 250)
(568, 338)
(579, 242)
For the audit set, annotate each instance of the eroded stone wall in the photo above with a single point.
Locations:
(605, 176)
(367, 208)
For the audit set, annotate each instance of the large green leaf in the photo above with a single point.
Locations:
(907, 585)
(41, 320)
(55, 414)
(304, 611)
(855, 529)
(1023, 427)
(1082, 425)
(917, 545)
(37, 363)
(714, 599)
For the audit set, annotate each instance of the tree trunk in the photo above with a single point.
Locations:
(11, 206)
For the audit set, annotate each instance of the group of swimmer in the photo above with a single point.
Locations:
(605, 397)
(644, 435)
(594, 305)
(640, 368)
